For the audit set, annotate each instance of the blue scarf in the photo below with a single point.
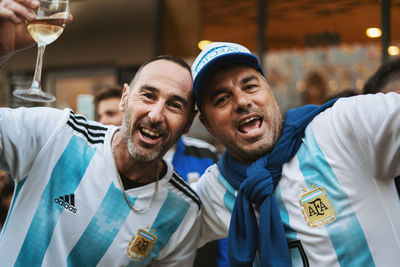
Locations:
(256, 184)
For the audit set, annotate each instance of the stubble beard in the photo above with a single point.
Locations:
(258, 149)
(135, 150)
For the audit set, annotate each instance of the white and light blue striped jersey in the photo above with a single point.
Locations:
(337, 198)
(68, 208)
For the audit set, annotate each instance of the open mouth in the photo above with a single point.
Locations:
(149, 133)
(250, 124)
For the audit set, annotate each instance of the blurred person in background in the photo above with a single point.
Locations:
(106, 104)
(314, 189)
(316, 90)
(385, 79)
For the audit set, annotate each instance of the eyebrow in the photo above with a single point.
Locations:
(146, 87)
(248, 79)
(157, 91)
(224, 89)
(217, 92)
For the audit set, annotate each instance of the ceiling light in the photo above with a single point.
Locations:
(373, 32)
(203, 43)
(393, 50)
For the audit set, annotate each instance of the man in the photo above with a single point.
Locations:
(190, 157)
(92, 195)
(106, 104)
(314, 190)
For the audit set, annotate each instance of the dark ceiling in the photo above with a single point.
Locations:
(125, 32)
(294, 23)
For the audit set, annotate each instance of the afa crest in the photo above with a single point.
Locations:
(317, 208)
(141, 246)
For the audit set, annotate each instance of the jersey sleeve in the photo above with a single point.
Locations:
(23, 133)
(367, 128)
(215, 199)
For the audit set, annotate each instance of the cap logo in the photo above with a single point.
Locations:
(213, 53)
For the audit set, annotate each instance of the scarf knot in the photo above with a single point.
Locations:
(258, 186)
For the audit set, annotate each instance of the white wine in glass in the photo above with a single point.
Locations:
(48, 25)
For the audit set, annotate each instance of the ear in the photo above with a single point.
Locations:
(124, 97)
(206, 124)
(190, 121)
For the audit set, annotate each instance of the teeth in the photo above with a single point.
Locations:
(150, 132)
(250, 119)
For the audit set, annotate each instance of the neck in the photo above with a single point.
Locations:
(138, 171)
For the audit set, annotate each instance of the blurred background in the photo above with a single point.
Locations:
(317, 45)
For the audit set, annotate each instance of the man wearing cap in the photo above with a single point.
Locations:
(314, 189)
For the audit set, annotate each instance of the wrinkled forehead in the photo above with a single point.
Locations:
(169, 79)
(165, 73)
(167, 68)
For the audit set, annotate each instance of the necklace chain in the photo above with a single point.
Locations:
(148, 204)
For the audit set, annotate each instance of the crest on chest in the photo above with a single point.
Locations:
(316, 206)
(141, 245)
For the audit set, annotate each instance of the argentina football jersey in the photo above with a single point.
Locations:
(68, 208)
(337, 198)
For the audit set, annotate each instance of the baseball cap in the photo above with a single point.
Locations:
(215, 55)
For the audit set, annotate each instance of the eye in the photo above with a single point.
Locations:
(176, 106)
(221, 100)
(148, 95)
(248, 87)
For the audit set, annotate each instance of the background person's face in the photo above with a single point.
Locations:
(157, 110)
(241, 112)
(108, 111)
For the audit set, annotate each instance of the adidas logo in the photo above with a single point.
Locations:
(67, 202)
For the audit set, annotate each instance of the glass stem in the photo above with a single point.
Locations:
(38, 69)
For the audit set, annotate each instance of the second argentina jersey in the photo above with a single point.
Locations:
(69, 209)
(337, 197)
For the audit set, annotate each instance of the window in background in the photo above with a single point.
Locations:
(75, 88)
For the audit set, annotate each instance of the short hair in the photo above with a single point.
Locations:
(175, 59)
(385, 74)
(114, 91)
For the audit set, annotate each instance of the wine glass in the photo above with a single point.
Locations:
(49, 23)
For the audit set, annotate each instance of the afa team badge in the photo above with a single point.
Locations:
(317, 208)
(141, 244)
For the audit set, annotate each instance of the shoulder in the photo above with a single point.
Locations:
(210, 183)
(29, 114)
(182, 189)
(359, 111)
(92, 132)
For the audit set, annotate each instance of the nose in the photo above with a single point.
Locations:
(241, 101)
(156, 114)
